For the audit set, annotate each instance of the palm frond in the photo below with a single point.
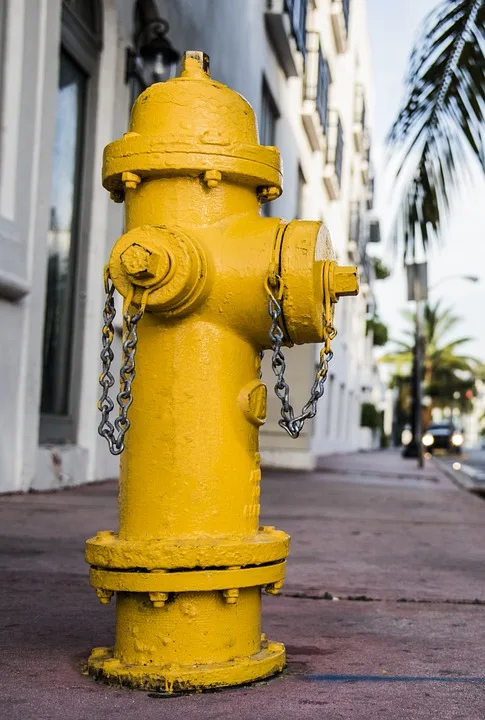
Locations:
(442, 120)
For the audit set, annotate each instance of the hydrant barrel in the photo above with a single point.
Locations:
(195, 266)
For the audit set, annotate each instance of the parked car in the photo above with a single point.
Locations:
(443, 435)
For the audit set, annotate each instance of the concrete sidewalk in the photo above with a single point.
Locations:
(382, 613)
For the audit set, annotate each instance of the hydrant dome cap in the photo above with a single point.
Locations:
(189, 125)
(193, 107)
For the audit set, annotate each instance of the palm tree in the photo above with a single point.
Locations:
(445, 370)
(441, 123)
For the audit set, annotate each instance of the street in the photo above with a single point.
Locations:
(467, 469)
(381, 614)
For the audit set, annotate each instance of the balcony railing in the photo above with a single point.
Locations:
(346, 12)
(358, 129)
(315, 95)
(370, 192)
(339, 151)
(335, 154)
(297, 10)
(365, 158)
(323, 86)
(340, 15)
(285, 22)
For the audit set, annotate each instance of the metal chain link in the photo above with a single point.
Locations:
(293, 424)
(115, 433)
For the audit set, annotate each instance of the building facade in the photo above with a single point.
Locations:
(68, 76)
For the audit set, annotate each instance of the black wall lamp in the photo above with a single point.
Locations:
(152, 57)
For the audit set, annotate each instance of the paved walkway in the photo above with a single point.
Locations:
(382, 613)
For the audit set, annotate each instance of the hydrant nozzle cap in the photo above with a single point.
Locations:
(194, 62)
(345, 281)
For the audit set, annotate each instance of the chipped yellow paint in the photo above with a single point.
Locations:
(189, 561)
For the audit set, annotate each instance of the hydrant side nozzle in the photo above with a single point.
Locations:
(344, 282)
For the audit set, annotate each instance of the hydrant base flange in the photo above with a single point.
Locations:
(270, 660)
(108, 550)
(187, 581)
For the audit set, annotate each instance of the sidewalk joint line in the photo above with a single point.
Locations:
(365, 598)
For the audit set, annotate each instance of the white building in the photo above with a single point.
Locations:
(64, 94)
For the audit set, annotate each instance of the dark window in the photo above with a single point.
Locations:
(297, 10)
(71, 173)
(267, 126)
(354, 234)
(339, 151)
(322, 90)
(62, 237)
(346, 11)
(359, 106)
(3, 31)
(268, 118)
(87, 11)
(301, 194)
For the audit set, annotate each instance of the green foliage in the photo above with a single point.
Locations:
(441, 122)
(379, 330)
(445, 371)
(370, 416)
(381, 270)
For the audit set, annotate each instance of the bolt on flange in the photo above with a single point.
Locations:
(231, 596)
(130, 180)
(212, 178)
(274, 588)
(268, 193)
(158, 598)
(104, 596)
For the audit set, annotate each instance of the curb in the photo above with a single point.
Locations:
(466, 477)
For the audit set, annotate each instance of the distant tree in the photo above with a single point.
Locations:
(441, 124)
(445, 371)
(381, 270)
(379, 330)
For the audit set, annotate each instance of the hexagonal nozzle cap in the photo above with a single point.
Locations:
(145, 266)
(345, 281)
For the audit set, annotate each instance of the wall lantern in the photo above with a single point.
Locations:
(152, 58)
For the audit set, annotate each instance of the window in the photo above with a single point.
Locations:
(268, 118)
(322, 90)
(267, 126)
(330, 392)
(346, 12)
(341, 411)
(297, 10)
(339, 151)
(355, 224)
(71, 168)
(3, 28)
(300, 200)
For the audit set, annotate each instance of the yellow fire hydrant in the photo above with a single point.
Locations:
(208, 285)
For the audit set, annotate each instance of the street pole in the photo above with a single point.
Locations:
(418, 415)
(417, 292)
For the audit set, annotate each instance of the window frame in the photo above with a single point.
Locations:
(267, 100)
(346, 13)
(84, 48)
(339, 150)
(297, 11)
(324, 81)
(3, 38)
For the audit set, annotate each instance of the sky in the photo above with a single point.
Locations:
(393, 26)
